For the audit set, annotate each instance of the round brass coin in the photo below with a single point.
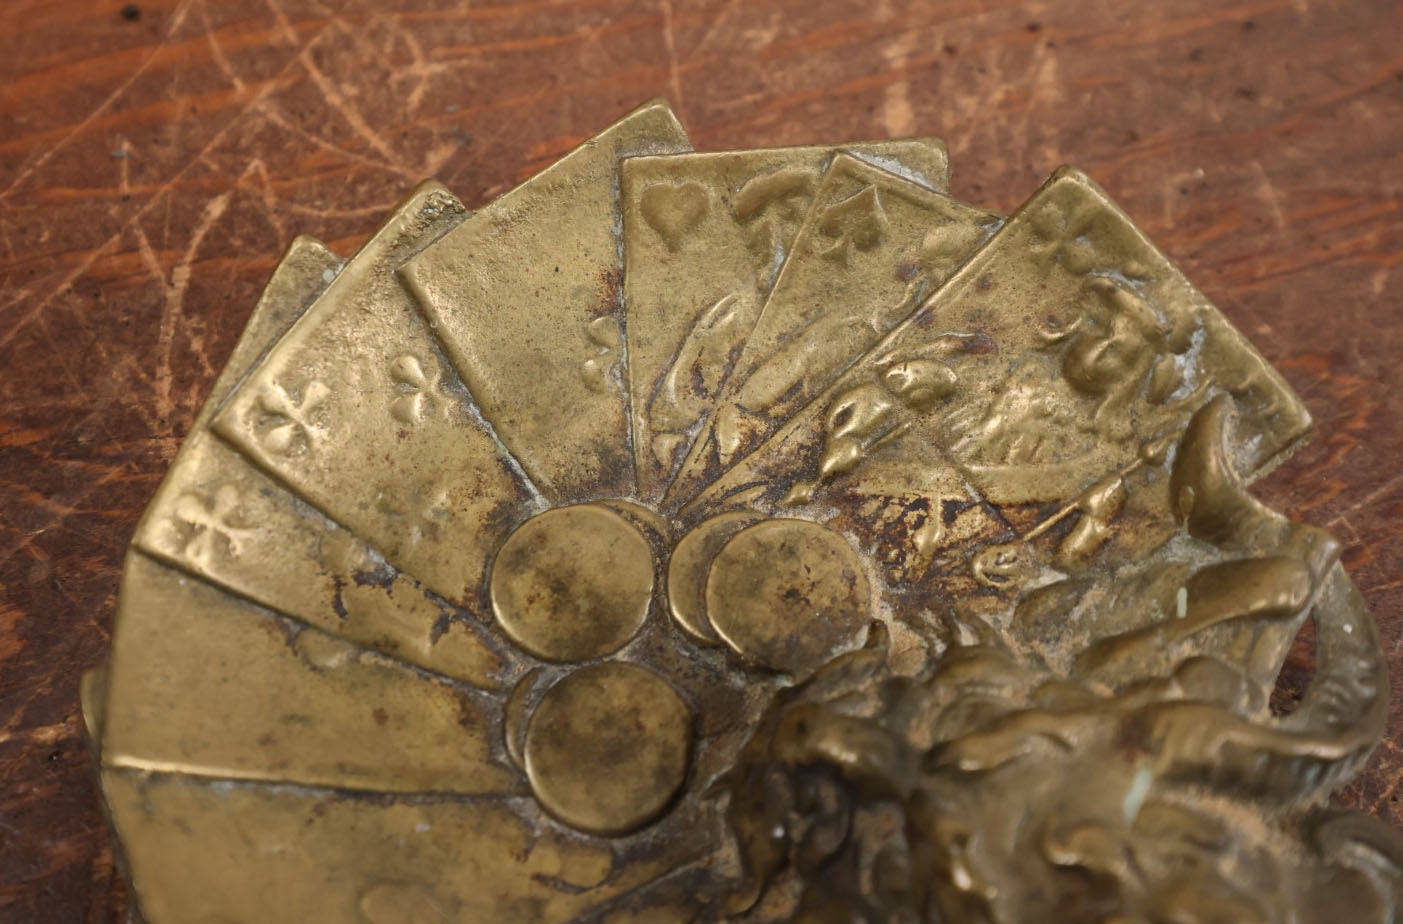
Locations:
(786, 593)
(572, 583)
(607, 748)
(687, 570)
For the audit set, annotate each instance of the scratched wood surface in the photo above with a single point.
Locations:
(155, 157)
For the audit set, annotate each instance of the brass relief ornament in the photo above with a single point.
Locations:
(760, 536)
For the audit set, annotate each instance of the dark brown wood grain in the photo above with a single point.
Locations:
(155, 160)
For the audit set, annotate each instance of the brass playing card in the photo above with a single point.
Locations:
(356, 410)
(527, 298)
(1054, 356)
(219, 518)
(872, 246)
(243, 694)
(704, 237)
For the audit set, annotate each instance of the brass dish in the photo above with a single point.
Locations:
(759, 535)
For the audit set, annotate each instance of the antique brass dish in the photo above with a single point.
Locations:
(760, 535)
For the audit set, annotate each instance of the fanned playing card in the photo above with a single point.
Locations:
(872, 246)
(704, 236)
(220, 518)
(357, 411)
(244, 694)
(1115, 350)
(526, 296)
(290, 854)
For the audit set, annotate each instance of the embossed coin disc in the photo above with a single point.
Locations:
(573, 583)
(607, 747)
(786, 593)
(687, 571)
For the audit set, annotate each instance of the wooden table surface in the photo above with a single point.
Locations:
(155, 157)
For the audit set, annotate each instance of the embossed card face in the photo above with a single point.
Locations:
(218, 517)
(292, 855)
(357, 411)
(704, 236)
(1067, 350)
(305, 269)
(526, 298)
(241, 693)
(871, 247)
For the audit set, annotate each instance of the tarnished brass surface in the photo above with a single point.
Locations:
(221, 519)
(857, 556)
(573, 583)
(356, 410)
(787, 595)
(606, 748)
(704, 237)
(527, 299)
(871, 249)
(689, 566)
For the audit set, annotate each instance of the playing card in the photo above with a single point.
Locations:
(872, 246)
(218, 517)
(1120, 349)
(356, 410)
(526, 296)
(705, 234)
